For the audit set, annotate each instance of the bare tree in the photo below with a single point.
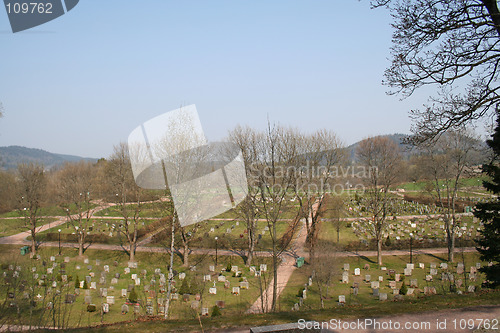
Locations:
(250, 143)
(74, 188)
(319, 153)
(381, 158)
(447, 44)
(324, 270)
(32, 183)
(127, 195)
(445, 163)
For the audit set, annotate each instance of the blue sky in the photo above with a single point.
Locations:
(81, 83)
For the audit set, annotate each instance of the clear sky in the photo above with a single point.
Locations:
(81, 83)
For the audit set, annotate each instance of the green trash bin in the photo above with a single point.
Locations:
(25, 250)
(299, 261)
(468, 209)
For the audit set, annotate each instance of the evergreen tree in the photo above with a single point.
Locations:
(489, 213)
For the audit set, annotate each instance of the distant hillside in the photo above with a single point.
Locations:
(12, 155)
(397, 138)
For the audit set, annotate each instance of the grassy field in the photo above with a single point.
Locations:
(117, 262)
(365, 297)
(12, 226)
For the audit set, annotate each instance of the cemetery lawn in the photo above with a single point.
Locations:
(365, 297)
(117, 262)
(10, 226)
(99, 232)
(203, 237)
(44, 211)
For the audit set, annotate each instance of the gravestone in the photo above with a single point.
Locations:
(357, 271)
(105, 308)
(104, 292)
(341, 299)
(124, 292)
(263, 267)
(375, 284)
(134, 276)
(204, 311)
(182, 276)
(227, 284)
(86, 261)
(433, 271)
(117, 275)
(443, 265)
(110, 300)
(93, 285)
(375, 292)
(221, 278)
(355, 291)
(87, 300)
(345, 277)
(478, 265)
(392, 284)
(346, 267)
(380, 279)
(407, 272)
(414, 283)
(124, 309)
(458, 283)
(428, 278)
(70, 298)
(368, 278)
(114, 281)
(66, 259)
(211, 268)
(234, 269)
(138, 281)
(410, 266)
(382, 297)
(213, 291)
(471, 289)
(220, 304)
(421, 265)
(244, 285)
(397, 277)
(207, 277)
(126, 270)
(106, 268)
(410, 291)
(175, 296)
(130, 287)
(236, 291)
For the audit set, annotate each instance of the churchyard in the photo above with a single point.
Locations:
(99, 287)
(359, 281)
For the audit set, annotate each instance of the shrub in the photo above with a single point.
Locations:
(132, 297)
(388, 241)
(91, 308)
(216, 311)
(185, 289)
(404, 289)
(77, 282)
(228, 267)
(85, 285)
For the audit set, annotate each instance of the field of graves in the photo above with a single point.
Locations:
(78, 287)
(359, 281)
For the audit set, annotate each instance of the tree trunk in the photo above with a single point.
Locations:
(379, 250)
(251, 243)
(275, 281)
(33, 240)
(186, 255)
(80, 245)
(132, 251)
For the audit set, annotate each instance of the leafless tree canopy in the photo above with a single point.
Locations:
(451, 44)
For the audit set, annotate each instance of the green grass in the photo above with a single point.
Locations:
(365, 298)
(235, 305)
(9, 227)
